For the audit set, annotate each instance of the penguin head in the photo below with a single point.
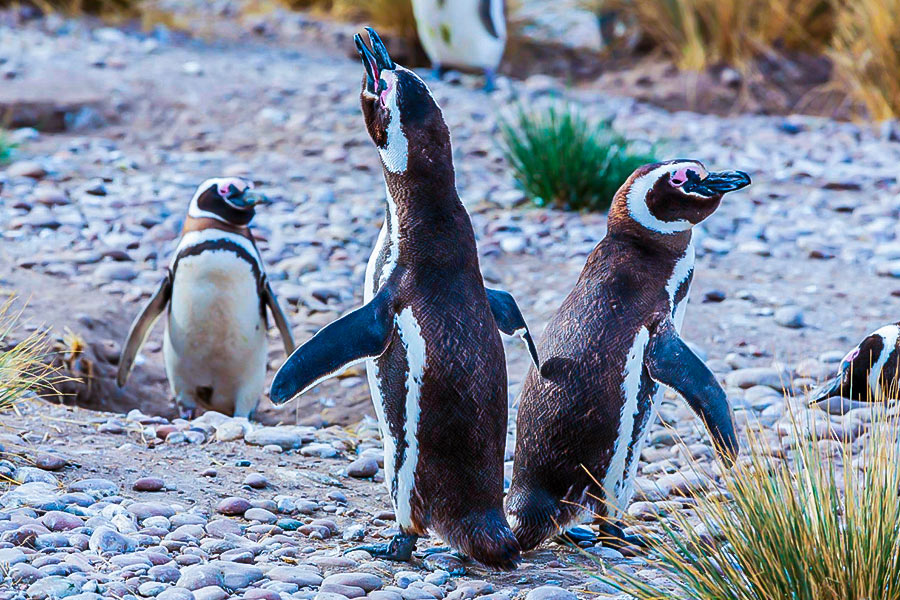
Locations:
(854, 377)
(673, 196)
(399, 109)
(227, 199)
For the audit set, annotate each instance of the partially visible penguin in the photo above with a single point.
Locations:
(465, 34)
(428, 333)
(214, 296)
(584, 417)
(869, 372)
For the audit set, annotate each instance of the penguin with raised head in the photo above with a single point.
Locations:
(215, 293)
(869, 372)
(584, 416)
(428, 332)
(462, 34)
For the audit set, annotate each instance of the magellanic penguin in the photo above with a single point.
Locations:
(584, 417)
(216, 293)
(465, 34)
(428, 333)
(869, 372)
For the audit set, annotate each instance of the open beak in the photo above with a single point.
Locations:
(375, 60)
(717, 183)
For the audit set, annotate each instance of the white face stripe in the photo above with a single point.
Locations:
(636, 199)
(192, 238)
(222, 183)
(631, 388)
(888, 334)
(411, 334)
(395, 154)
(680, 272)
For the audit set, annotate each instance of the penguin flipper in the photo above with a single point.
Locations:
(364, 333)
(671, 362)
(510, 320)
(281, 321)
(141, 327)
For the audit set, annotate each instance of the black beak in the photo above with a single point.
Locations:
(716, 183)
(830, 389)
(375, 60)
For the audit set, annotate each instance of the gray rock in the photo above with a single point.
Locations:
(550, 592)
(300, 576)
(366, 581)
(148, 484)
(50, 588)
(233, 506)
(96, 486)
(319, 450)
(106, 540)
(790, 317)
(287, 437)
(363, 467)
(767, 376)
(230, 576)
(33, 474)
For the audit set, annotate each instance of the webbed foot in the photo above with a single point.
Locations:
(400, 548)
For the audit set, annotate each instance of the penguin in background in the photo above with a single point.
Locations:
(428, 333)
(214, 296)
(869, 372)
(463, 34)
(585, 414)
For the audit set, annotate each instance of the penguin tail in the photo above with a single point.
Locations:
(534, 516)
(487, 538)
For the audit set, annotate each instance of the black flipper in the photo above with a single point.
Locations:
(281, 321)
(141, 327)
(363, 333)
(510, 320)
(670, 362)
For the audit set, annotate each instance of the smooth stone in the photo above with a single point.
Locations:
(233, 506)
(211, 592)
(256, 481)
(50, 462)
(148, 484)
(143, 510)
(286, 437)
(362, 468)
(56, 520)
(260, 514)
(164, 573)
(176, 593)
(366, 581)
(52, 587)
(221, 528)
(790, 317)
(106, 540)
(550, 592)
(230, 576)
(296, 575)
(767, 376)
(319, 450)
(103, 487)
(33, 474)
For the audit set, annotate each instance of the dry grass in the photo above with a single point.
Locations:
(23, 366)
(697, 33)
(395, 16)
(819, 526)
(866, 52)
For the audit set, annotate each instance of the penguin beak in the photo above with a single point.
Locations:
(247, 199)
(830, 389)
(375, 61)
(716, 183)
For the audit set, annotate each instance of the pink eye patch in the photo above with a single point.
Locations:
(225, 184)
(850, 356)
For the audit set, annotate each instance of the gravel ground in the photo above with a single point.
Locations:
(792, 272)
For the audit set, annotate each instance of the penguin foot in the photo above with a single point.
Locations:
(613, 536)
(490, 81)
(577, 535)
(400, 548)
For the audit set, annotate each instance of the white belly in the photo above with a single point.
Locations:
(216, 335)
(454, 36)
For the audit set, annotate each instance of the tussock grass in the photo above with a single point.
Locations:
(395, 16)
(822, 525)
(697, 33)
(562, 159)
(866, 52)
(7, 148)
(24, 366)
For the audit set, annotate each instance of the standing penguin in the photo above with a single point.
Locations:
(870, 371)
(583, 419)
(216, 293)
(466, 34)
(428, 333)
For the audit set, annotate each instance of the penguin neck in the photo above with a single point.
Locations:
(667, 244)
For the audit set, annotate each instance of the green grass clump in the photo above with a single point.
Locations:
(24, 366)
(816, 524)
(7, 147)
(562, 159)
